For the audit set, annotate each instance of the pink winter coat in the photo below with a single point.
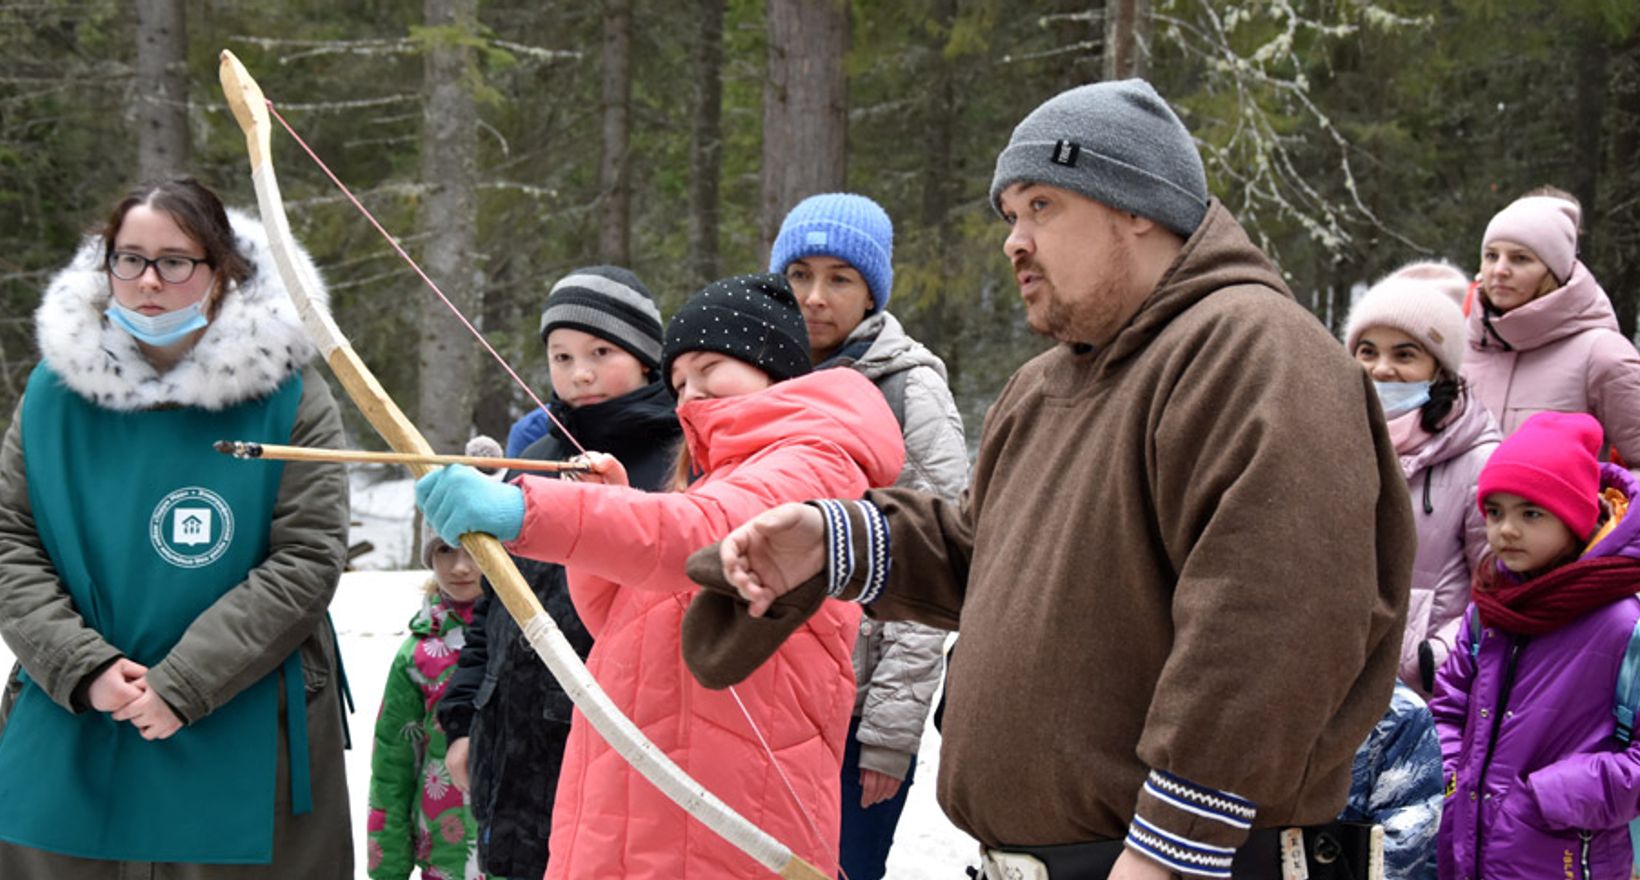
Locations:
(828, 434)
(1441, 477)
(1560, 352)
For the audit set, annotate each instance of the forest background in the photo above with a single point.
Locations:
(505, 142)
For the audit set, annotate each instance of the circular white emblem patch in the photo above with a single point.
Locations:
(191, 527)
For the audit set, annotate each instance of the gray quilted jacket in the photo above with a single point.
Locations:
(897, 663)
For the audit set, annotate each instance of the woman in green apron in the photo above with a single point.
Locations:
(174, 712)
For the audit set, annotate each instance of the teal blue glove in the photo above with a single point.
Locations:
(457, 500)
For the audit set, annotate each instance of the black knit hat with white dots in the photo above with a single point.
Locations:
(752, 318)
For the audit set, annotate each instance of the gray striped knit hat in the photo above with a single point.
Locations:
(1117, 143)
(611, 303)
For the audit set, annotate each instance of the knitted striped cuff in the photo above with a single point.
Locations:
(855, 530)
(879, 549)
(1190, 828)
(839, 545)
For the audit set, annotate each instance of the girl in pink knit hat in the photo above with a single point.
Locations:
(1543, 335)
(1407, 333)
(1540, 778)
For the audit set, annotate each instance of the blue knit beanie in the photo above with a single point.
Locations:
(851, 228)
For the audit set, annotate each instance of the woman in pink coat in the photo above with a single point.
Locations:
(759, 430)
(1407, 332)
(1544, 336)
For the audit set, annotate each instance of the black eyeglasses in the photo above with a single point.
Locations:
(172, 269)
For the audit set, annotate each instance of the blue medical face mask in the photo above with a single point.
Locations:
(1400, 398)
(158, 330)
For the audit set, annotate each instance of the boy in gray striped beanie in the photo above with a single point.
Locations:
(608, 302)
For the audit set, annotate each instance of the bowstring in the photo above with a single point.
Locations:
(426, 280)
(791, 790)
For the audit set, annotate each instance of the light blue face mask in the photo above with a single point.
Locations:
(157, 330)
(1400, 398)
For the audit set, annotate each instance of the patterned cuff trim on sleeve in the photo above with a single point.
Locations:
(879, 551)
(1222, 806)
(1179, 853)
(839, 546)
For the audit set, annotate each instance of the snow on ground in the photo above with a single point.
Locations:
(372, 608)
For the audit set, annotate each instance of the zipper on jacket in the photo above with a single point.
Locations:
(1428, 507)
(1486, 319)
(1586, 836)
(1498, 708)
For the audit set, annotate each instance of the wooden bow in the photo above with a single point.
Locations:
(250, 108)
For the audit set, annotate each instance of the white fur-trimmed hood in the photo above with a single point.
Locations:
(255, 342)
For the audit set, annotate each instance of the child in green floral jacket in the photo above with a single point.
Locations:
(418, 817)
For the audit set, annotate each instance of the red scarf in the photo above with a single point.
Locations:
(1553, 599)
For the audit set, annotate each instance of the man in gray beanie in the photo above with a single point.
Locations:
(1182, 566)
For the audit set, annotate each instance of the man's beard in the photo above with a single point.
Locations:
(1087, 317)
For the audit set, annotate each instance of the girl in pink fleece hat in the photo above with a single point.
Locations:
(1540, 779)
(1408, 334)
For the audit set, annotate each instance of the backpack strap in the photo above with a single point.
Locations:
(893, 388)
(1628, 688)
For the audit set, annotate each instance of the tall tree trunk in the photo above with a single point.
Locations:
(941, 192)
(161, 103)
(805, 106)
(1618, 247)
(1587, 135)
(449, 220)
(1127, 38)
(706, 143)
(614, 172)
(492, 410)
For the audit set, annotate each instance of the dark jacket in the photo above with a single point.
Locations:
(502, 695)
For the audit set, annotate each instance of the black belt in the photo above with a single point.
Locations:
(1334, 851)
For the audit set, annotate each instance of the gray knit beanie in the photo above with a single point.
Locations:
(611, 303)
(1117, 143)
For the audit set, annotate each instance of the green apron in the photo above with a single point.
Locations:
(147, 528)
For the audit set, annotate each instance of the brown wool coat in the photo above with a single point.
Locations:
(1188, 551)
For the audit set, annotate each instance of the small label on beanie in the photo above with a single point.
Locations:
(1065, 152)
(815, 237)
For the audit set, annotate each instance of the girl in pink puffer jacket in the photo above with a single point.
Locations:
(759, 430)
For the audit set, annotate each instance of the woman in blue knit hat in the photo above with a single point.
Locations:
(836, 250)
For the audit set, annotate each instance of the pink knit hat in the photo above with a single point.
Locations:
(1439, 275)
(1553, 461)
(1544, 224)
(1419, 309)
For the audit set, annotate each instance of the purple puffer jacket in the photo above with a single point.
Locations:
(1560, 352)
(1441, 478)
(1555, 798)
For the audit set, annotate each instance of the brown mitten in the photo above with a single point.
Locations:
(722, 642)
